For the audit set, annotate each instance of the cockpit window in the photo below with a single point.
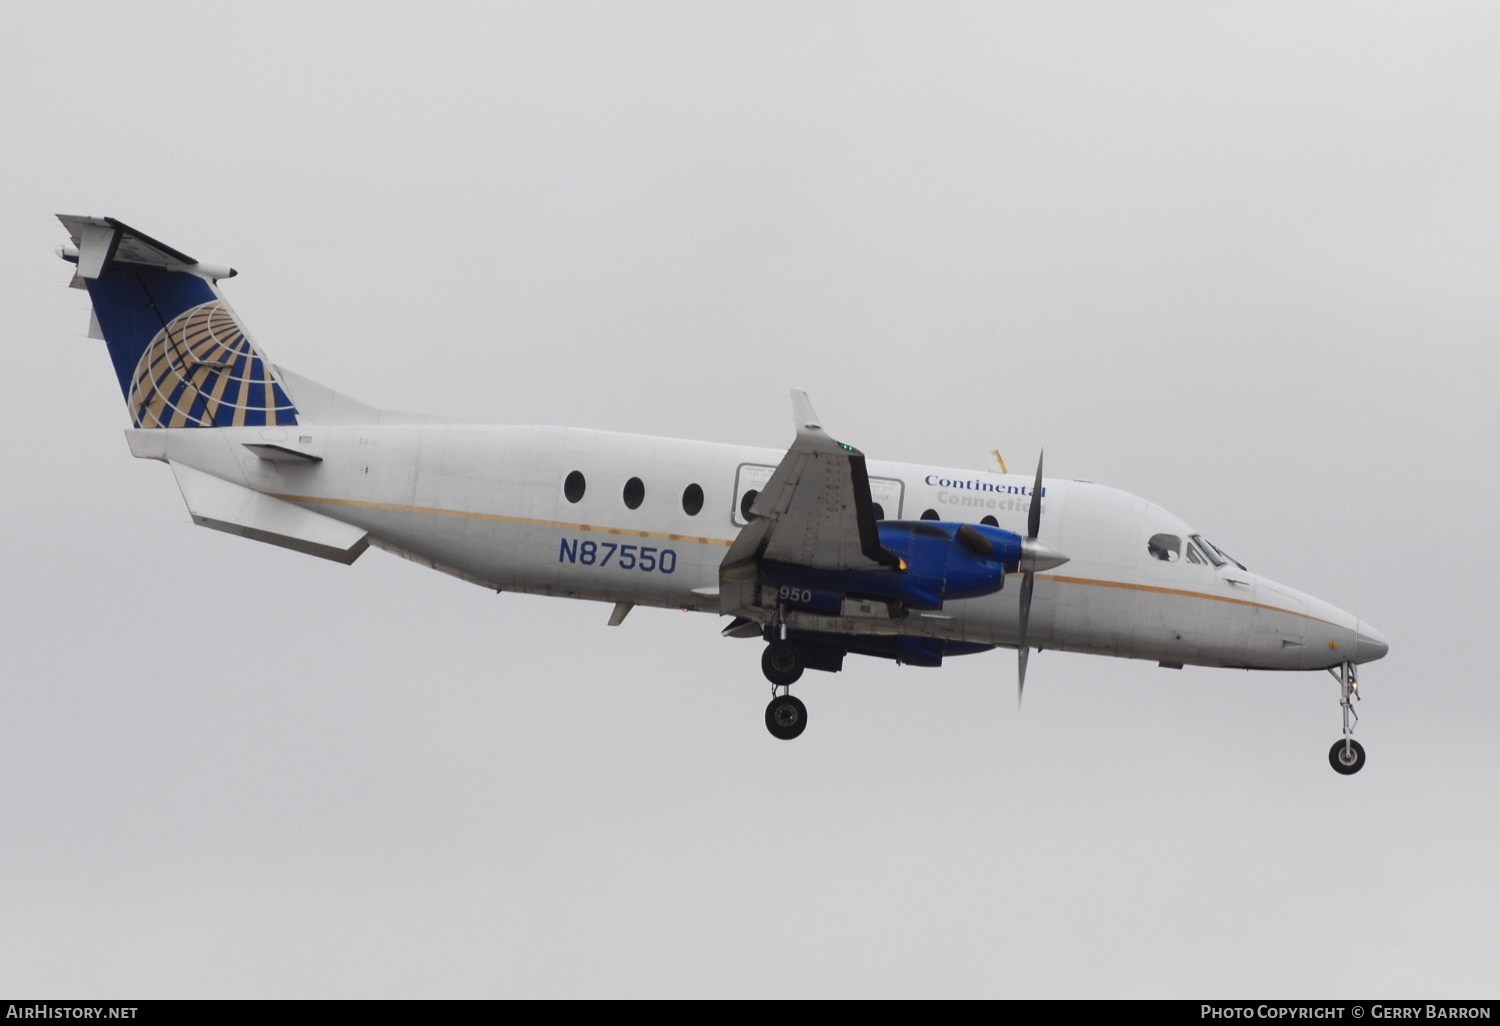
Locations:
(1213, 554)
(1194, 556)
(1165, 547)
(1217, 556)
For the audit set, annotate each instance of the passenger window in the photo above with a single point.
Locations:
(929, 514)
(990, 520)
(573, 486)
(635, 493)
(746, 503)
(692, 500)
(1165, 547)
(878, 510)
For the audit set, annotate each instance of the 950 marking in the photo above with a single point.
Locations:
(646, 558)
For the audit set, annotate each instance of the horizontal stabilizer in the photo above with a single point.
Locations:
(235, 509)
(101, 242)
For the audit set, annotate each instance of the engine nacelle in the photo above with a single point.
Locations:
(939, 561)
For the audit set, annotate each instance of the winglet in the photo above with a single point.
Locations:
(805, 416)
(810, 433)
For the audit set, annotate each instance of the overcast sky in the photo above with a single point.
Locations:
(1239, 259)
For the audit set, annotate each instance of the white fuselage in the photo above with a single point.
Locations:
(488, 504)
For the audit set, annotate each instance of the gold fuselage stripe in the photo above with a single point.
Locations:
(501, 518)
(727, 542)
(1157, 590)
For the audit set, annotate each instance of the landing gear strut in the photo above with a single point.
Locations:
(1347, 756)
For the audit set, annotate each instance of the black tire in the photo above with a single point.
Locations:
(1340, 761)
(786, 717)
(782, 663)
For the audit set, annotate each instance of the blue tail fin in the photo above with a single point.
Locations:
(182, 357)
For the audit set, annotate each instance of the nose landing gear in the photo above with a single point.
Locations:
(1347, 756)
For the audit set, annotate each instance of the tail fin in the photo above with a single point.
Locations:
(182, 356)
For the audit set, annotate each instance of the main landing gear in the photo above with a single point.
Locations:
(782, 663)
(786, 716)
(1347, 756)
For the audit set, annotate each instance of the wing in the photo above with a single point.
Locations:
(815, 512)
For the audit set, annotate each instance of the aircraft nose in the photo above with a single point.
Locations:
(1369, 644)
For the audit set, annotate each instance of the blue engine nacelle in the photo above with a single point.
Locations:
(938, 561)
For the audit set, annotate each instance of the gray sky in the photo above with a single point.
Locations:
(1236, 258)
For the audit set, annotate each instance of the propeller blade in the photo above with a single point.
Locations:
(1022, 649)
(1034, 517)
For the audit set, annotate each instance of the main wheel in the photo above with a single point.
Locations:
(786, 717)
(781, 662)
(1347, 761)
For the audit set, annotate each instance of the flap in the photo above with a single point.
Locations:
(814, 512)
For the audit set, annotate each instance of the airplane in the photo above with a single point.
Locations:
(818, 551)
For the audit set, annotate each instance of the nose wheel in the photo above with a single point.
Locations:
(1347, 756)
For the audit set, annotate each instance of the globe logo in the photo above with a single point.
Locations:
(201, 371)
